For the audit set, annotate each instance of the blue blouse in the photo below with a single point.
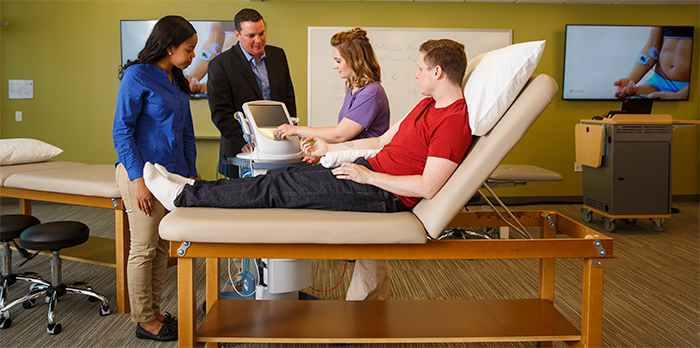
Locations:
(153, 123)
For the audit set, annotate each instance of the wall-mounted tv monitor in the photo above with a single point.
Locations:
(213, 37)
(615, 62)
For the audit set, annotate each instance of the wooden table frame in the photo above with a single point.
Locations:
(382, 321)
(102, 251)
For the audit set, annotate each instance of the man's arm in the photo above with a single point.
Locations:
(289, 98)
(318, 147)
(627, 86)
(435, 174)
(221, 104)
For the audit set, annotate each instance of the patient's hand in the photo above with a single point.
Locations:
(311, 159)
(625, 87)
(314, 147)
(355, 172)
(195, 85)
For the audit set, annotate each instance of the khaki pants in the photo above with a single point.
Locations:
(148, 253)
(369, 281)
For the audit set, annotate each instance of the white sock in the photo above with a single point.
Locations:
(172, 176)
(161, 187)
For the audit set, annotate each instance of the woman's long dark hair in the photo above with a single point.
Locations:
(168, 31)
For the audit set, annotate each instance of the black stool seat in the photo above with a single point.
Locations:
(54, 235)
(11, 226)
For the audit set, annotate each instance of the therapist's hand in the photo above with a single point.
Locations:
(355, 172)
(144, 198)
(247, 148)
(314, 147)
(285, 130)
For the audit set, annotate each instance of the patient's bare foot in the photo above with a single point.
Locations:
(161, 187)
(172, 176)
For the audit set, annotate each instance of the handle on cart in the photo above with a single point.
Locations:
(244, 125)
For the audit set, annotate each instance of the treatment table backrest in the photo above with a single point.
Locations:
(485, 154)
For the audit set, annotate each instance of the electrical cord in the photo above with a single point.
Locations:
(246, 264)
(663, 75)
(336, 285)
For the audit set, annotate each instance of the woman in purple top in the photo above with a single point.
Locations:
(365, 114)
(365, 111)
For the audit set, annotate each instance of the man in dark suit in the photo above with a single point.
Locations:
(248, 71)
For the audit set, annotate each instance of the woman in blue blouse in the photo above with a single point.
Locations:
(153, 123)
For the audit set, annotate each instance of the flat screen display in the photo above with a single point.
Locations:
(213, 37)
(616, 62)
(268, 115)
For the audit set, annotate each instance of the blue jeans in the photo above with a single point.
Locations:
(309, 187)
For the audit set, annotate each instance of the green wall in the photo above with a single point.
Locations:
(71, 49)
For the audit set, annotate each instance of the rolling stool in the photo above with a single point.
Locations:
(11, 226)
(55, 236)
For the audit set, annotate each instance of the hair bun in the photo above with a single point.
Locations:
(359, 33)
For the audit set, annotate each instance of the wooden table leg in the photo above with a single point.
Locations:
(546, 268)
(546, 281)
(25, 206)
(592, 310)
(122, 240)
(187, 320)
(212, 289)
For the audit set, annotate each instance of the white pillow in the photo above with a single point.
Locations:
(21, 150)
(496, 81)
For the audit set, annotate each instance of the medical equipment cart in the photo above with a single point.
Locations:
(627, 168)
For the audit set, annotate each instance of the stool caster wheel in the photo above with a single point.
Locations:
(28, 304)
(105, 310)
(53, 329)
(5, 322)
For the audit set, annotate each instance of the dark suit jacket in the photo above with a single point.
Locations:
(231, 83)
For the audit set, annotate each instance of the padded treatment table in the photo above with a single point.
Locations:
(213, 233)
(511, 175)
(77, 184)
(464, 320)
(7, 171)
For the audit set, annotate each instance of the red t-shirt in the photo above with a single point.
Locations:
(426, 132)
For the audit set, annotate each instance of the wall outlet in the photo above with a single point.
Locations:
(18, 116)
(578, 167)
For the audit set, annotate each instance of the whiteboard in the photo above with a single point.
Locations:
(397, 52)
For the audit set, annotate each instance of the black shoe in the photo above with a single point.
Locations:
(169, 320)
(166, 333)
